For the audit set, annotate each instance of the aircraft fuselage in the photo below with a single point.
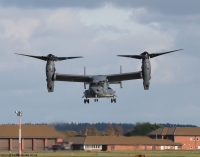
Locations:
(99, 88)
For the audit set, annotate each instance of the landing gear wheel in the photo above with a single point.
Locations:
(113, 100)
(95, 100)
(86, 101)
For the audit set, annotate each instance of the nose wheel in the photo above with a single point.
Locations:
(113, 100)
(86, 101)
(95, 100)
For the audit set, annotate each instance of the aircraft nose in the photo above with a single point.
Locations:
(96, 91)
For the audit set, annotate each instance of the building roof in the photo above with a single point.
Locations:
(187, 131)
(29, 131)
(164, 131)
(157, 131)
(123, 140)
(170, 131)
(75, 140)
(177, 131)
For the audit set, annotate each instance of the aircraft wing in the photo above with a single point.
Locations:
(124, 76)
(72, 78)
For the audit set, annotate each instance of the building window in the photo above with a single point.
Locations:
(190, 147)
(190, 138)
(197, 139)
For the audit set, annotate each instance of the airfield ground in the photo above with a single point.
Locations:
(192, 153)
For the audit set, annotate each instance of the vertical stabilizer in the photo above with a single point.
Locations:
(84, 74)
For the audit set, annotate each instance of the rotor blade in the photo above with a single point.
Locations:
(64, 58)
(158, 54)
(132, 56)
(38, 57)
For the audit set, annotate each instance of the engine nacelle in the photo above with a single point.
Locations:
(50, 71)
(146, 73)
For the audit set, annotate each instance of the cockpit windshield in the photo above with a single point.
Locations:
(97, 84)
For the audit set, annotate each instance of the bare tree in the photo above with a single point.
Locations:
(89, 130)
(118, 130)
(109, 131)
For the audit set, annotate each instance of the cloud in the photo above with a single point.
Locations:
(51, 3)
(177, 68)
(20, 30)
(63, 21)
(178, 7)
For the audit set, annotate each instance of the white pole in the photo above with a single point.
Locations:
(19, 114)
(20, 135)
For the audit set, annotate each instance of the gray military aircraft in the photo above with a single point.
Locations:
(98, 84)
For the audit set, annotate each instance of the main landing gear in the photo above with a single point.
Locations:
(86, 101)
(95, 100)
(113, 100)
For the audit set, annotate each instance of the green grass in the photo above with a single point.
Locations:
(174, 153)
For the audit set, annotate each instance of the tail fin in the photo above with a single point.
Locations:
(84, 74)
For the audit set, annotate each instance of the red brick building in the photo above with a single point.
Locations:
(105, 143)
(188, 136)
(34, 137)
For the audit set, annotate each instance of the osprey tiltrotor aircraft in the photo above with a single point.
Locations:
(99, 84)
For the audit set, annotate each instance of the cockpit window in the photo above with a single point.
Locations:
(97, 84)
(92, 84)
(100, 84)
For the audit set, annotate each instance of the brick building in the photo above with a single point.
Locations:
(37, 137)
(188, 136)
(120, 143)
(34, 137)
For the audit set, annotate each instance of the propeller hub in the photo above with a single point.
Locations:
(145, 55)
(51, 57)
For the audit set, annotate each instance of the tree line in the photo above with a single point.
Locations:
(60, 126)
(110, 129)
(90, 130)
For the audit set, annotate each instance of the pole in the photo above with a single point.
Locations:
(20, 135)
(19, 114)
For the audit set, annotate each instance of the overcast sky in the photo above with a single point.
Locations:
(99, 30)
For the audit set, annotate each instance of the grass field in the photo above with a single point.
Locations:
(191, 153)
